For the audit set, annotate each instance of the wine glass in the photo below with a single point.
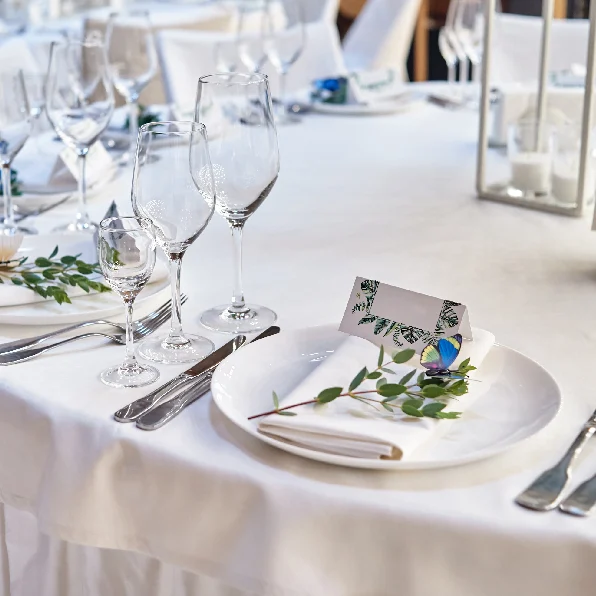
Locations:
(452, 36)
(245, 167)
(469, 25)
(249, 40)
(35, 86)
(15, 128)
(127, 257)
(284, 42)
(226, 56)
(176, 193)
(449, 55)
(133, 62)
(79, 105)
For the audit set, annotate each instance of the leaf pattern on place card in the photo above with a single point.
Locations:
(448, 318)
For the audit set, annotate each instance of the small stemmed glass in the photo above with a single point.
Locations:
(176, 193)
(284, 41)
(245, 167)
(127, 257)
(15, 128)
(79, 105)
(251, 47)
(133, 63)
(35, 85)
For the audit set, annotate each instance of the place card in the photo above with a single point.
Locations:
(99, 162)
(388, 315)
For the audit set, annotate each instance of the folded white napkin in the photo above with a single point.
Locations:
(368, 87)
(348, 427)
(11, 295)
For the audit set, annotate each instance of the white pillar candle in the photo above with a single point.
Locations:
(565, 182)
(530, 172)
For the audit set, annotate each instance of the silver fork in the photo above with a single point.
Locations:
(140, 332)
(31, 342)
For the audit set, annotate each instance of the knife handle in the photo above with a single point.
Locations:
(545, 492)
(163, 413)
(139, 407)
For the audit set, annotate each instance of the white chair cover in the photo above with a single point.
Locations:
(515, 54)
(381, 35)
(185, 56)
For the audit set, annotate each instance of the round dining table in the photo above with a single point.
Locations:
(198, 507)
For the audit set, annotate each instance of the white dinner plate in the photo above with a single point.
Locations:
(379, 108)
(83, 308)
(518, 399)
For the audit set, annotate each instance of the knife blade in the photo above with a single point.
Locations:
(546, 491)
(141, 406)
(165, 412)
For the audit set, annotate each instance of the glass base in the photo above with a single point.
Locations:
(137, 375)
(225, 320)
(77, 227)
(7, 230)
(156, 350)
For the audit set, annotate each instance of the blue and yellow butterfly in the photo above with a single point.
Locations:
(437, 358)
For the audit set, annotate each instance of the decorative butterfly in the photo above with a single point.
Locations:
(437, 358)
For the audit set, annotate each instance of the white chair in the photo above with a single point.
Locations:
(515, 53)
(185, 56)
(381, 35)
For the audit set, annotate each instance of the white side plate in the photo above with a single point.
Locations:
(519, 398)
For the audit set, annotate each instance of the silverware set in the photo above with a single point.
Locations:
(547, 491)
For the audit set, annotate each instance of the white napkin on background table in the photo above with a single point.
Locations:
(348, 427)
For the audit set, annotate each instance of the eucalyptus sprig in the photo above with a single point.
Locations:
(145, 117)
(15, 184)
(408, 396)
(51, 277)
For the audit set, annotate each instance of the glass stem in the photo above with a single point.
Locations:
(476, 72)
(238, 304)
(82, 213)
(451, 74)
(7, 191)
(463, 71)
(282, 91)
(129, 361)
(176, 337)
(133, 125)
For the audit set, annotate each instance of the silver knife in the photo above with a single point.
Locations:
(141, 406)
(165, 412)
(545, 493)
(582, 500)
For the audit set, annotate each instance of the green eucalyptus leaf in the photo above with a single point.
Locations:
(464, 364)
(387, 371)
(403, 356)
(357, 380)
(387, 407)
(381, 356)
(68, 260)
(414, 402)
(17, 281)
(328, 395)
(420, 378)
(409, 411)
(275, 401)
(449, 415)
(391, 390)
(382, 381)
(433, 391)
(431, 410)
(374, 375)
(407, 378)
(43, 262)
(54, 252)
(285, 413)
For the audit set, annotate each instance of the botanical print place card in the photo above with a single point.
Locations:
(378, 312)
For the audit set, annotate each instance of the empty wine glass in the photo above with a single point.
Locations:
(469, 25)
(133, 62)
(284, 41)
(245, 167)
(249, 36)
(35, 85)
(79, 105)
(451, 33)
(127, 257)
(449, 55)
(15, 128)
(177, 194)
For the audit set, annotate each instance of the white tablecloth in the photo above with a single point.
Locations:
(387, 197)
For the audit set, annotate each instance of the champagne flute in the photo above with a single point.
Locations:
(245, 167)
(133, 62)
(35, 86)
(127, 257)
(284, 40)
(176, 193)
(79, 105)
(15, 128)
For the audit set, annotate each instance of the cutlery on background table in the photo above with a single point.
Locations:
(140, 332)
(163, 413)
(194, 374)
(545, 493)
(582, 500)
(31, 342)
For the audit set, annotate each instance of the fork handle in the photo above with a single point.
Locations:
(23, 355)
(31, 342)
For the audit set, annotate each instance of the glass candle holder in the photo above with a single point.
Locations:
(565, 171)
(530, 151)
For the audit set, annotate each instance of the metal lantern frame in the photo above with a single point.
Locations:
(498, 192)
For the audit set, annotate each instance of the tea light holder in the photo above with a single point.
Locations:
(529, 168)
